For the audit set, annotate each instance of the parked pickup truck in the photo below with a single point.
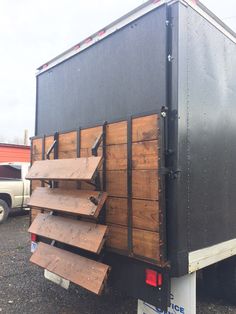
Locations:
(14, 189)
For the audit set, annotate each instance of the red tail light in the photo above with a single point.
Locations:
(33, 237)
(153, 278)
(159, 280)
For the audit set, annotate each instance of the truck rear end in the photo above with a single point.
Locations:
(122, 200)
(114, 149)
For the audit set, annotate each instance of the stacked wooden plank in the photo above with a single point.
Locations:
(85, 235)
(145, 206)
(144, 218)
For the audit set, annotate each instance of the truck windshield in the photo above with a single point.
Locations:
(10, 172)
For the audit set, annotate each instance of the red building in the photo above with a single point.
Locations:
(13, 152)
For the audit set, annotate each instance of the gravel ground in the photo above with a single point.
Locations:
(23, 288)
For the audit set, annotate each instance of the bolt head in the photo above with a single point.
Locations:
(163, 114)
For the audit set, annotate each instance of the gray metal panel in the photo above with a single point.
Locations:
(121, 75)
(207, 136)
(176, 209)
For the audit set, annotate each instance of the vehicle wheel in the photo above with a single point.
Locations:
(227, 279)
(4, 211)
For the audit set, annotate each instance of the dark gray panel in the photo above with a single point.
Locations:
(121, 75)
(176, 209)
(207, 134)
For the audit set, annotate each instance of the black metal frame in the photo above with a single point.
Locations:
(128, 275)
(96, 144)
(78, 142)
(31, 162)
(104, 153)
(129, 185)
(53, 148)
(43, 156)
(78, 151)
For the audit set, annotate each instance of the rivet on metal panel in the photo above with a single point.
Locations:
(163, 114)
(170, 58)
(164, 111)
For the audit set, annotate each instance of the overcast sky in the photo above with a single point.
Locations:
(32, 32)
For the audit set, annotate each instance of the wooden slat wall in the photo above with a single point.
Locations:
(145, 205)
(67, 148)
(145, 189)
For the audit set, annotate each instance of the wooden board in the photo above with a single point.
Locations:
(145, 128)
(37, 147)
(67, 154)
(67, 145)
(89, 136)
(68, 185)
(145, 179)
(145, 155)
(87, 152)
(145, 243)
(64, 169)
(68, 201)
(116, 157)
(85, 235)
(117, 211)
(82, 271)
(35, 184)
(117, 238)
(48, 143)
(145, 213)
(34, 213)
(116, 133)
(116, 183)
(36, 157)
(145, 184)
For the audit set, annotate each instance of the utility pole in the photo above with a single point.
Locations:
(26, 137)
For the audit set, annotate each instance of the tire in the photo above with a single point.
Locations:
(4, 211)
(227, 279)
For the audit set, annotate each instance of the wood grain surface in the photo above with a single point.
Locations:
(82, 271)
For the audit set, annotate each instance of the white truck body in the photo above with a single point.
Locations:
(14, 189)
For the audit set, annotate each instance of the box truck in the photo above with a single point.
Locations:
(133, 159)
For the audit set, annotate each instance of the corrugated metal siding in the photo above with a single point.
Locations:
(12, 153)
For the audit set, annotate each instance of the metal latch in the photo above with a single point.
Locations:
(172, 174)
